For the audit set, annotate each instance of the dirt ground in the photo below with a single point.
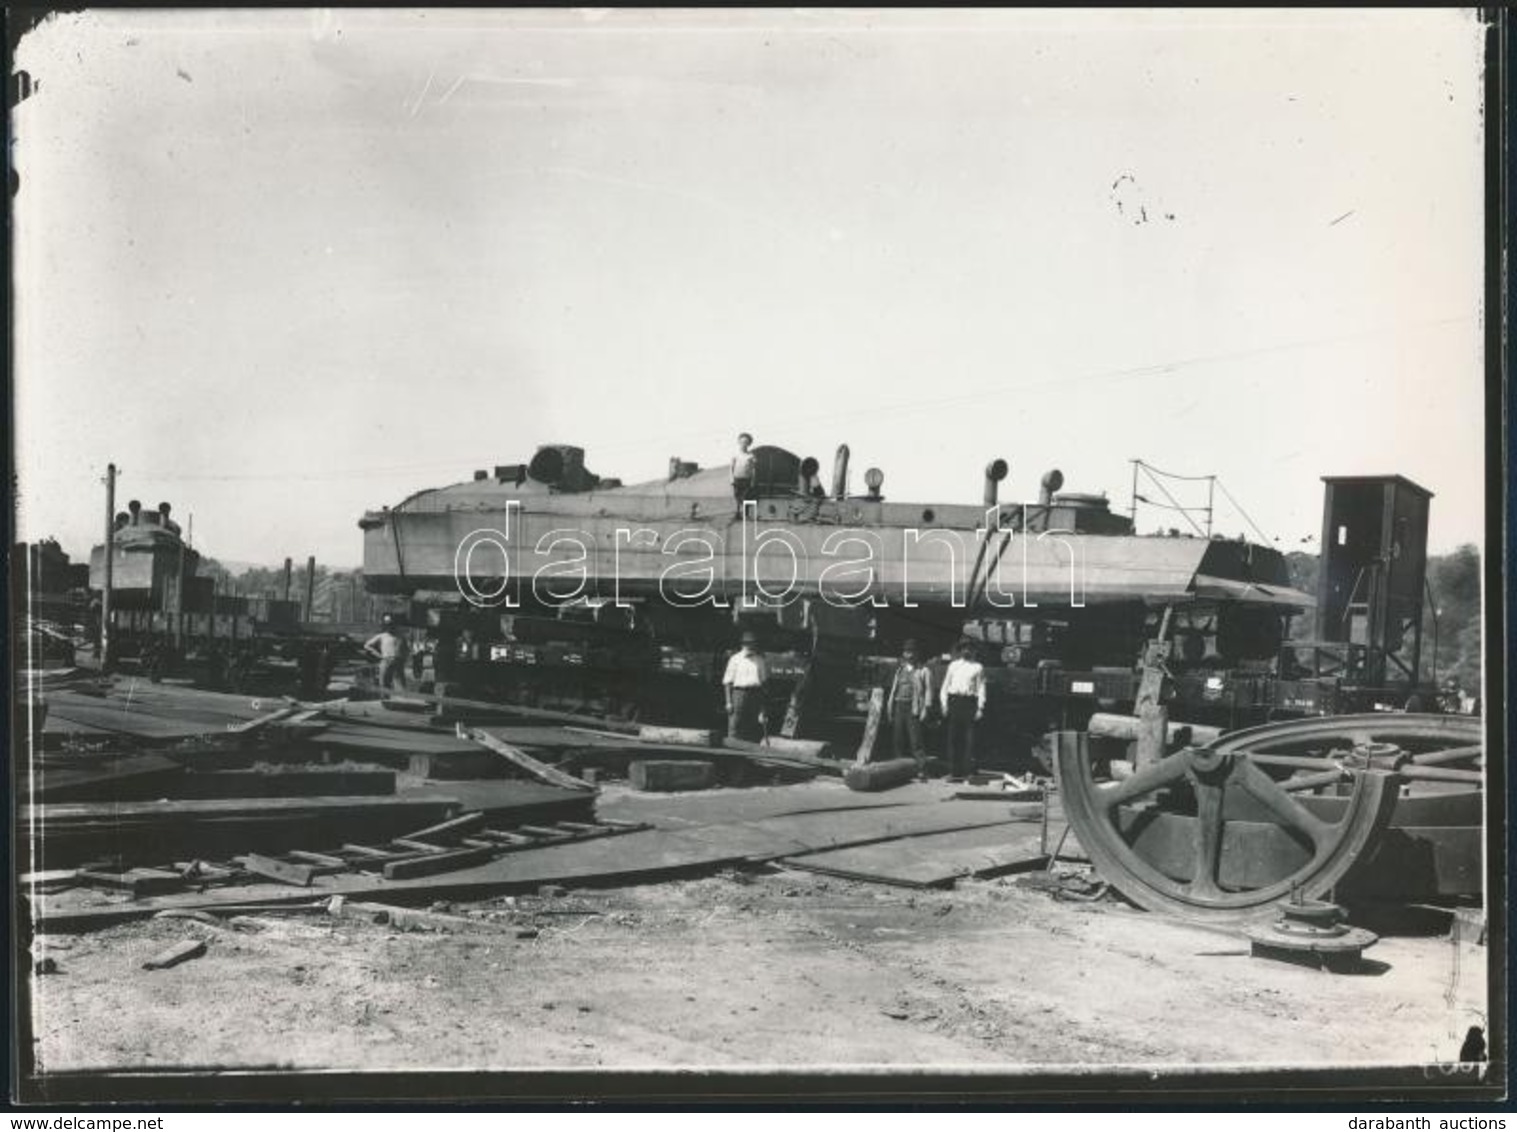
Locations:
(769, 968)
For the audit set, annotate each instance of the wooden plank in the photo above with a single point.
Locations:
(262, 721)
(369, 851)
(871, 726)
(455, 704)
(281, 871)
(437, 863)
(460, 825)
(545, 831)
(50, 878)
(317, 858)
(419, 846)
(782, 747)
(139, 882)
(693, 736)
(181, 951)
(525, 761)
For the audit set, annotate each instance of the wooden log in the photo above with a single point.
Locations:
(881, 775)
(281, 871)
(181, 951)
(437, 863)
(779, 746)
(520, 758)
(668, 776)
(1107, 725)
(694, 736)
(871, 727)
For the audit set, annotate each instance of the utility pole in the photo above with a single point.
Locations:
(286, 579)
(110, 567)
(310, 587)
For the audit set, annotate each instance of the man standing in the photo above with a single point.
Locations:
(744, 465)
(744, 685)
(389, 648)
(964, 705)
(907, 705)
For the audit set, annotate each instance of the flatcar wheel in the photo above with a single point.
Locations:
(1433, 748)
(1108, 819)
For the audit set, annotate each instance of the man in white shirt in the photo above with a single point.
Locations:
(744, 466)
(744, 685)
(964, 706)
(390, 649)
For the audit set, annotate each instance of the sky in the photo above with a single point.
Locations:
(284, 267)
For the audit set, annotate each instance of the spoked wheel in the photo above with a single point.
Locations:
(1321, 752)
(1210, 834)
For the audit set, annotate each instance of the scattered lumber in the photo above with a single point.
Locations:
(779, 745)
(173, 956)
(523, 760)
(69, 834)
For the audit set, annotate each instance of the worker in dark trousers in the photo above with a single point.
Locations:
(907, 705)
(964, 706)
(744, 684)
(744, 471)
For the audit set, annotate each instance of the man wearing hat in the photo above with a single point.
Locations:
(964, 705)
(744, 685)
(390, 649)
(907, 705)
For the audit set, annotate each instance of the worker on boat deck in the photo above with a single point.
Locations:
(744, 468)
(964, 706)
(389, 648)
(907, 705)
(744, 684)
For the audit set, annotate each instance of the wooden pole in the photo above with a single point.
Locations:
(310, 587)
(286, 579)
(110, 567)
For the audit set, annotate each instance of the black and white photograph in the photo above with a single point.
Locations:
(950, 550)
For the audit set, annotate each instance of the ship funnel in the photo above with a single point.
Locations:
(995, 472)
(840, 473)
(1051, 482)
(135, 507)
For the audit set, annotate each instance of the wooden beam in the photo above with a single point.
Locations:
(278, 870)
(460, 825)
(437, 863)
(523, 760)
(871, 726)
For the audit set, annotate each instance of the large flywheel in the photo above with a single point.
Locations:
(1291, 809)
